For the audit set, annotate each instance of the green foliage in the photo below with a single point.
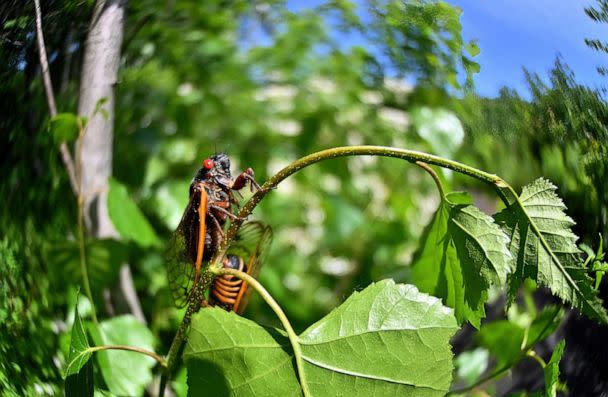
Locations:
(65, 127)
(127, 217)
(125, 373)
(219, 339)
(407, 331)
(508, 340)
(552, 370)
(267, 85)
(394, 324)
(79, 370)
(103, 259)
(544, 248)
(462, 253)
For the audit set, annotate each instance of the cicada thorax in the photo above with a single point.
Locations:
(227, 290)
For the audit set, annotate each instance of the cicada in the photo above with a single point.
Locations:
(200, 232)
(247, 254)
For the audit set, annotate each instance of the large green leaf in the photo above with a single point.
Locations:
(127, 217)
(545, 248)
(79, 372)
(125, 373)
(388, 339)
(462, 252)
(228, 355)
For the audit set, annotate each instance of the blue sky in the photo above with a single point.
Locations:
(514, 34)
(517, 33)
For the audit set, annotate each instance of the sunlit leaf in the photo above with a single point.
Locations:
(393, 324)
(545, 248)
(472, 364)
(387, 323)
(462, 252)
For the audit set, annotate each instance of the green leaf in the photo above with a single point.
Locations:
(388, 339)
(65, 127)
(472, 364)
(462, 252)
(228, 355)
(393, 324)
(545, 323)
(127, 217)
(79, 372)
(552, 370)
(103, 258)
(504, 340)
(125, 373)
(545, 248)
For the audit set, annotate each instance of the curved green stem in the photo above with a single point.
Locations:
(83, 260)
(435, 177)
(412, 156)
(293, 337)
(522, 354)
(135, 349)
(537, 358)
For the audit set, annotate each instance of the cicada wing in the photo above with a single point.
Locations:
(181, 253)
(251, 244)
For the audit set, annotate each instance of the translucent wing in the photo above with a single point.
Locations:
(181, 253)
(251, 244)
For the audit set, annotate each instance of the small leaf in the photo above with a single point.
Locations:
(228, 355)
(127, 217)
(545, 248)
(388, 339)
(545, 323)
(462, 252)
(125, 373)
(65, 127)
(552, 370)
(472, 364)
(79, 372)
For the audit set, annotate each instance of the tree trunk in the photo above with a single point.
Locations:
(94, 148)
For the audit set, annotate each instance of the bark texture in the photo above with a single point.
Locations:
(94, 148)
(96, 102)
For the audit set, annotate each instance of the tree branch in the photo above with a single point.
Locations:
(50, 98)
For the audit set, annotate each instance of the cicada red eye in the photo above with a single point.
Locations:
(208, 164)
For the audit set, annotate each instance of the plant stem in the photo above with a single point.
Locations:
(539, 359)
(412, 156)
(50, 97)
(155, 356)
(194, 304)
(293, 337)
(83, 260)
(435, 177)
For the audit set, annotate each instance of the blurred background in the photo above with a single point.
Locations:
(516, 90)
